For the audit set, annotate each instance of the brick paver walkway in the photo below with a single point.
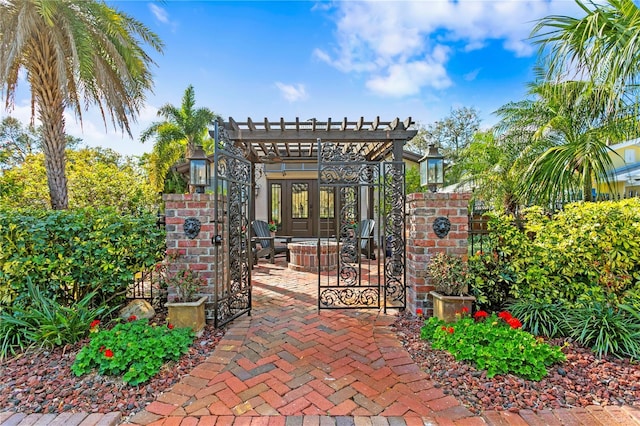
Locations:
(289, 364)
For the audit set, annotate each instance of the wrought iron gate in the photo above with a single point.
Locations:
(232, 177)
(368, 268)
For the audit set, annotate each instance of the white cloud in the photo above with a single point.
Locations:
(160, 13)
(470, 76)
(292, 92)
(387, 41)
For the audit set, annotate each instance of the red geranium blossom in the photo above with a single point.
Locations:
(444, 328)
(514, 323)
(505, 315)
(419, 312)
(465, 310)
(94, 323)
(108, 353)
(480, 315)
(132, 318)
(170, 326)
(450, 330)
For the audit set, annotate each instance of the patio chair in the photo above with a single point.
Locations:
(268, 248)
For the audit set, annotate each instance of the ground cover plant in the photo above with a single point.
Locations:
(494, 343)
(135, 350)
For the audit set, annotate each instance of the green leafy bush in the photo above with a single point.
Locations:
(490, 280)
(134, 349)
(607, 331)
(541, 318)
(71, 253)
(589, 252)
(494, 343)
(45, 322)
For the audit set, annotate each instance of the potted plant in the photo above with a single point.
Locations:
(448, 275)
(273, 227)
(186, 309)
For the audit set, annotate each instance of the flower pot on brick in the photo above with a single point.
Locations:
(448, 274)
(187, 314)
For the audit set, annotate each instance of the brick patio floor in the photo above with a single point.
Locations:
(289, 364)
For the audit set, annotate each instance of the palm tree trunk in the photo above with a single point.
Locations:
(587, 183)
(50, 107)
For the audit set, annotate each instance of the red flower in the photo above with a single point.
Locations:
(450, 330)
(132, 318)
(170, 326)
(465, 310)
(94, 323)
(505, 316)
(480, 315)
(514, 322)
(444, 328)
(108, 353)
(419, 312)
(101, 348)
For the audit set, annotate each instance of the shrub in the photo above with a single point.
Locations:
(541, 318)
(493, 343)
(45, 322)
(134, 349)
(607, 331)
(490, 281)
(589, 252)
(70, 253)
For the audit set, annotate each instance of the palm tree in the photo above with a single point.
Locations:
(568, 139)
(602, 46)
(177, 136)
(75, 53)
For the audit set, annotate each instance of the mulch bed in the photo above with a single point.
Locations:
(42, 381)
(582, 380)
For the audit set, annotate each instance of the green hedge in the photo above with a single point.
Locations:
(70, 253)
(586, 253)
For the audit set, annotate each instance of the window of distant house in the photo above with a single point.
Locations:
(629, 156)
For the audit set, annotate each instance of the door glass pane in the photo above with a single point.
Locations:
(327, 207)
(300, 200)
(276, 204)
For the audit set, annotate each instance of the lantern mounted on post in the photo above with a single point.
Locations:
(432, 169)
(198, 170)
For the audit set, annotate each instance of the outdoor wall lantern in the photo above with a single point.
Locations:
(432, 169)
(198, 170)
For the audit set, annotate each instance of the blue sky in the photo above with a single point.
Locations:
(330, 59)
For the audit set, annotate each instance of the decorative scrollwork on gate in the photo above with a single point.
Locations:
(233, 179)
(394, 200)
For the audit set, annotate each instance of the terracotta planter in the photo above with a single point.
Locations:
(445, 307)
(187, 314)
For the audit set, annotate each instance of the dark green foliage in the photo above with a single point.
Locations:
(135, 350)
(490, 280)
(541, 318)
(68, 254)
(45, 322)
(607, 331)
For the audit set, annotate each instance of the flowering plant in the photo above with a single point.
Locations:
(495, 343)
(448, 274)
(133, 349)
(273, 227)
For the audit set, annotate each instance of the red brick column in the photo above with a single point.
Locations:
(197, 254)
(422, 242)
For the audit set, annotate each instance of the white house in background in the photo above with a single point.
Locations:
(626, 168)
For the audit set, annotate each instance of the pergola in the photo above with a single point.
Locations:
(289, 141)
